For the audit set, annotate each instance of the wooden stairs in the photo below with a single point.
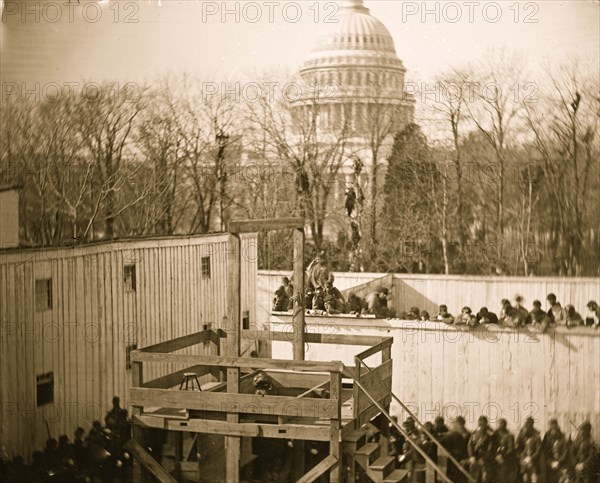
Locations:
(380, 468)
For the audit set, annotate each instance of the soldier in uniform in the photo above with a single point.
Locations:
(411, 457)
(117, 420)
(482, 451)
(529, 447)
(507, 469)
(584, 453)
(555, 457)
(455, 442)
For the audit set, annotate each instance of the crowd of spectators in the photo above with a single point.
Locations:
(321, 297)
(516, 315)
(496, 456)
(99, 457)
(326, 299)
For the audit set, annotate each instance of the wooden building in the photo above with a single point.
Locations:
(69, 318)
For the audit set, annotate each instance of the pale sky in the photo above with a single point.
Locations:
(135, 40)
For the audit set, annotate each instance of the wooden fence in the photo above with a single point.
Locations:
(501, 373)
(427, 292)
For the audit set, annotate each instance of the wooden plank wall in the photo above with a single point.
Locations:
(83, 338)
(496, 372)
(429, 291)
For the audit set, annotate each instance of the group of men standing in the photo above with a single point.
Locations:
(494, 456)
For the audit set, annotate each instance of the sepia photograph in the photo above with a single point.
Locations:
(275, 241)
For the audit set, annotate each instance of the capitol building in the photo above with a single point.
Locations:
(361, 83)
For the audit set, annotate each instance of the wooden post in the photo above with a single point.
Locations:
(234, 280)
(335, 448)
(299, 305)
(140, 475)
(137, 379)
(178, 454)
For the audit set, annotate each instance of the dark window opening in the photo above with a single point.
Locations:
(43, 294)
(205, 267)
(45, 389)
(246, 320)
(129, 278)
(128, 350)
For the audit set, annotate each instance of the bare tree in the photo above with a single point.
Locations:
(565, 127)
(106, 124)
(494, 112)
(295, 135)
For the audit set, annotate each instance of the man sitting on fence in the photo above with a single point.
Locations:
(484, 316)
(594, 318)
(573, 319)
(538, 317)
(334, 300)
(281, 302)
(377, 303)
(466, 317)
(444, 316)
(551, 299)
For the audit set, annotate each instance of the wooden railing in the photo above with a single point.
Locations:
(364, 407)
(239, 399)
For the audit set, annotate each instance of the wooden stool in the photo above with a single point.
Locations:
(188, 380)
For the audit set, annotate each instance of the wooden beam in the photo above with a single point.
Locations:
(248, 430)
(253, 226)
(323, 467)
(297, 379)
(234, 294)
(312, 337)
(323, 385)
(241, 362)
(137, 380)
(181, 342)
(335, 444)
(387, 342)
(148, 462)
(174, 379)
(234, 403)
(298, 322)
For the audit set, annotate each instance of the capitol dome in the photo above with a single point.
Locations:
(355, 37)
(357, 71)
